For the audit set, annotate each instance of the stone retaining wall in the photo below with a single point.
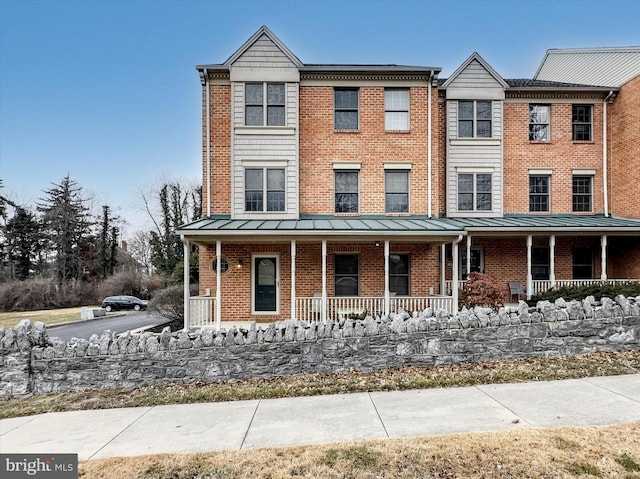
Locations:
(32, 362)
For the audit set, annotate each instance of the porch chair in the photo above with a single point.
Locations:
(515, 288)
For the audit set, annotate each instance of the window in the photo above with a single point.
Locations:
(540, 263)
(582, 189)
(581, 122)
(261, 183)
(582, 263)
(474, 192)
(396, 191)
(396, 109)
(346, 275)
(474, 119)
(257, 111)
(346, 108)
(476, 263)
(539, 123)
(346, 191)
(399, 274)
(538, 193)
(224, 265)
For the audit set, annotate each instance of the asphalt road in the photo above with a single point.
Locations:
(119, 323)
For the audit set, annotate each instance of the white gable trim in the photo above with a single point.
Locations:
(476, 56)
(264, 31)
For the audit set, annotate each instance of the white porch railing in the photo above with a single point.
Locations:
(310, 309)
(201, 312)
(540, 286)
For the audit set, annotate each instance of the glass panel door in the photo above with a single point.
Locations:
(265, 284)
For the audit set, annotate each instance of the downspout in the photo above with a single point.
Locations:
(605, 179)
(208, 103)
(429, 153)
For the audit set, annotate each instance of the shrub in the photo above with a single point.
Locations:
(604, 289)
(483, 289)
(169, 302)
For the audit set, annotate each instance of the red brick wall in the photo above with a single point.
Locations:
(624, 154)
(321, 146)
(561, 154)
(220, 106)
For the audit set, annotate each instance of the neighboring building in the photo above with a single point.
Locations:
(330, 190)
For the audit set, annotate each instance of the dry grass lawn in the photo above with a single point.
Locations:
(49, 317)
(611, 452)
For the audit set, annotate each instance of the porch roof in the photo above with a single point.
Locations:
(557, 224)
(322, 225)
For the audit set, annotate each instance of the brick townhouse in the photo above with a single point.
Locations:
(332, 190)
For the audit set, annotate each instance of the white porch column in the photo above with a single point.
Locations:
(293, 279)
(455, 274)
(443, 270)
(529, 276)
(323, 308)
(552, 260)
(218, 284)
(387, 301)
(187, 286)
(468, 265)
(603, 257)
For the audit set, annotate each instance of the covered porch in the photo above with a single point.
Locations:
(542, 253)
(317, 268)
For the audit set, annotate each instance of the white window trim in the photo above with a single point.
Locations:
(398, 166)
(408, 110)
(335, 110)
(408, 193)
(474, 120)
(475, 169)
(583, 172)
(260, 165)
(347, 165)
(548, 139)
(540, 172)
(264, 163)
(474, 172)
(265, 105)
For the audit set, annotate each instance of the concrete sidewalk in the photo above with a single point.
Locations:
(325, 419)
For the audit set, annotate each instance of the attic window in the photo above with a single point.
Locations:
(264, 104)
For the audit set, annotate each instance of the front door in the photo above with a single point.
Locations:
(265, 284)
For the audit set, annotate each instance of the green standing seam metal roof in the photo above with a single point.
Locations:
(548, 223)
(410, 225)
(321, 224)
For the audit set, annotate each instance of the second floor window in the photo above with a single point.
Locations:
(346, 191)
(581, 122)
(539, 193)
(582, 193)
(474, 192)
(396, 109)
(261, 184)
(264, 104)
(346, 108)
(396, 191)
(474, 119)
(539, 123)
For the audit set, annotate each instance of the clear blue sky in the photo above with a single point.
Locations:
(106, 90)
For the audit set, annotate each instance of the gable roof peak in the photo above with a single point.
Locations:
(475, 56)
(263, 30)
